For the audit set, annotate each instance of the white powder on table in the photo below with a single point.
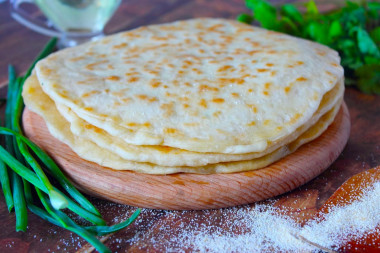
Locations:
(261, 228)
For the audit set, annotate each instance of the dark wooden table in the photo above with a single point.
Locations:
(19, 46)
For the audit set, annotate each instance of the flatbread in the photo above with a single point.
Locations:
(39, 103)
(202, 85)
(165, 156)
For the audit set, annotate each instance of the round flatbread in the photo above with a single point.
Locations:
(202, 85)
(161, 155)
(39, 103)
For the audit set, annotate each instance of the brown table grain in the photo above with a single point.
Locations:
(19, 46)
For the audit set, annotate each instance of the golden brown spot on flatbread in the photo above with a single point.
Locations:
(171, 130)
(113, 78)
(300, 62)
(267, 85)
(253, 52)
(269, 64)
(295, 118)
(96, 129)
(262, 70)
(91, 66)
(203, 103)
(31, 90)
(226, 81)
(250, 90)
(216, 114)
(133, 79)
(329, 73)
(146, 124)
(198, 71)
(254, 61)
(147, 98)
(191, 124)
(204, 87)
(77, 58)
(321, 53)
(165, 149)
(153, 72)
(168, 94)
(89, 109)
(186, 105)
(218, 100)
(120, 45)
(168, 108)
(266, 93)
(252, 123)
(253, 107)
(273, 73)
(155, 83)
(160, 38)
(279, 128)
(301, 79)
(225, 68)
(266, 122)
(287, 89)
(87, 94)
(235, 95)
(215, 27)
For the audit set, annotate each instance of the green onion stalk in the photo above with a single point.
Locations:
(22, 165)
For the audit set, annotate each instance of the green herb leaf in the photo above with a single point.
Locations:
(352, 30)
(245, 18)
(365, 43)
(375, 35)
(292, 13)
(311, 8)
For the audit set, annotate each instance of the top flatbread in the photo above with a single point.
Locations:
(204, 85)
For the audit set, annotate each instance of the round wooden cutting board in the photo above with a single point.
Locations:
(192, 191)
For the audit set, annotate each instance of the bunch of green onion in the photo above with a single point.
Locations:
(21, 173)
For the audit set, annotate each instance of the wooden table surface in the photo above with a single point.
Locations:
(19, 45)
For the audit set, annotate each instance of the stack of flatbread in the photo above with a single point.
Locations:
(197, 96)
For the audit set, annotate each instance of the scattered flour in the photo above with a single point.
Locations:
(262, 228)
(251, 228)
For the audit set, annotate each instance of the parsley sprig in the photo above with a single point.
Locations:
(353, 30)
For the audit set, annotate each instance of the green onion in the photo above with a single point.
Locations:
(31, 177)
(104, 230)
(5, 185)
(20, 204)
(68, 224)
(21, 155)
(56, 172)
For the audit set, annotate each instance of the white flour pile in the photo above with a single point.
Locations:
(260, 229)
(256, 228)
